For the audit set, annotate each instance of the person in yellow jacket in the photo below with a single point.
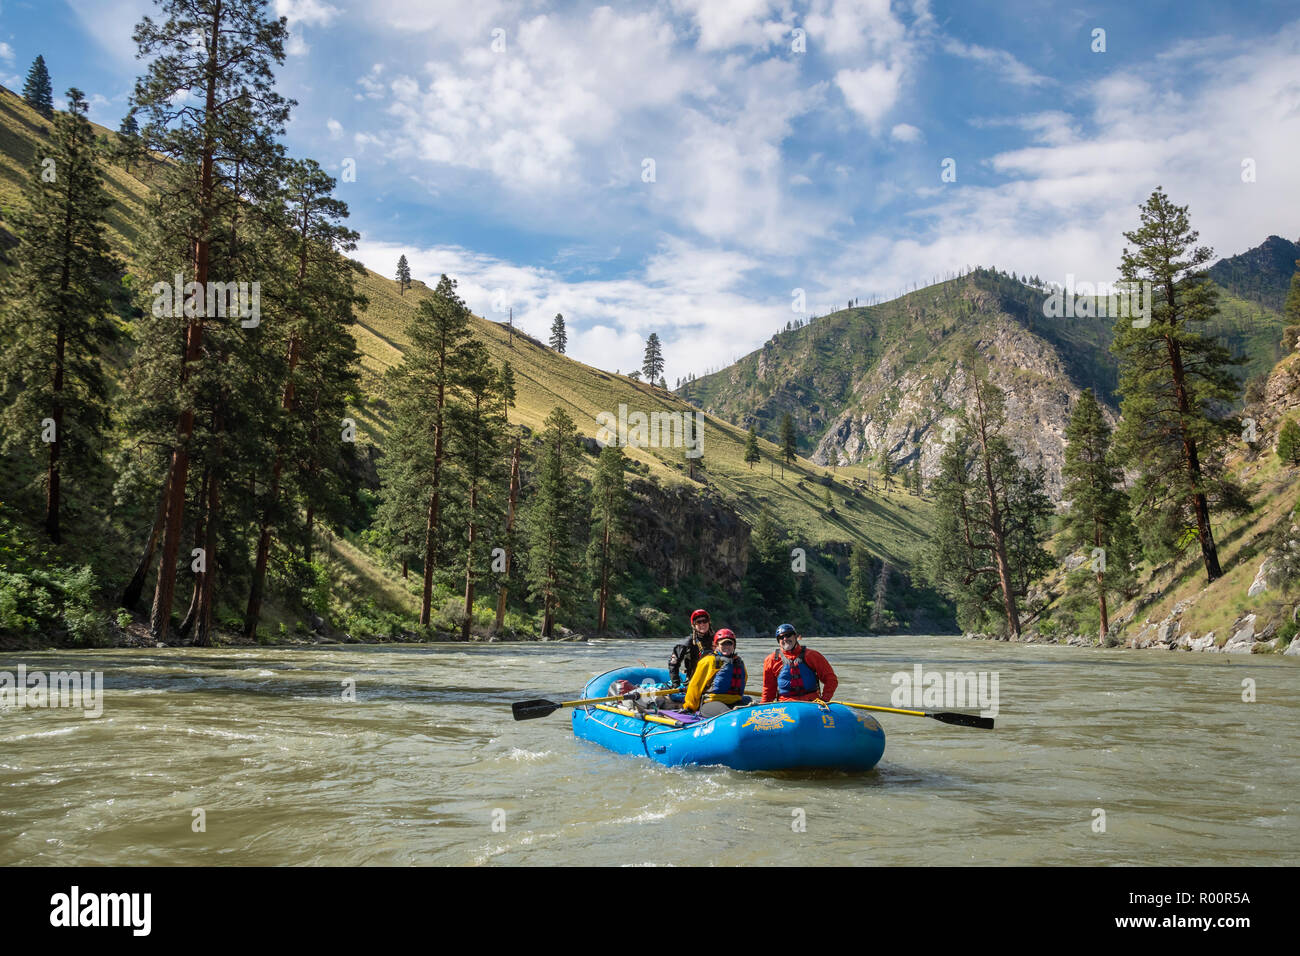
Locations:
(719, 679)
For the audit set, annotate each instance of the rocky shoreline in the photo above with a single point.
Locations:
(1168, 635)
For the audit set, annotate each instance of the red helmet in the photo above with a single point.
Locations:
(698, 614)
(723, 635)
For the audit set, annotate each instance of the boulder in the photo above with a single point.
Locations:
(1260, 583)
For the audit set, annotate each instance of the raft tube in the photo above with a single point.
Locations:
(788, 736)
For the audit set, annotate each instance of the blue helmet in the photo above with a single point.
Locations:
(785, 629)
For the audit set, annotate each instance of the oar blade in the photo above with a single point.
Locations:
(964, 720)
(530, 709)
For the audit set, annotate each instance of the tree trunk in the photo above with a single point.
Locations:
(203, 637)
(469, 565)
(135, 587)
(306, 548)
(52, 474)
(995, 524)
(164, 592)
(510, 526)
(1191, 459)
(201, 511)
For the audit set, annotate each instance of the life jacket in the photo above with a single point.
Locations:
(729, 677)
(688, 655)
(796, 678)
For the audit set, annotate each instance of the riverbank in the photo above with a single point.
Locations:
(1241, 638)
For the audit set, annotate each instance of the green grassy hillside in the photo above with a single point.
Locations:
(893, 525)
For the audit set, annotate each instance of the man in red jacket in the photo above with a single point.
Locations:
(793, 672)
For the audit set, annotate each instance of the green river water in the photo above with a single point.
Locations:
(427, 766)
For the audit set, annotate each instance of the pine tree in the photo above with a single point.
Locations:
(312, 332)
(222, 53)
(788, 440)
(607, 549)
(1291, 313)
(56, 322)
(916, 476)
(859, 590)
(1288, 442)
(38, 91)
(475, 436)
(991, 515)
(555, 569)
(130, 147)
(431, 375)
(506, 395)
(403, 275)
(559, 338)
(1098, 517)
(752, 456)
(1176, 385)
(652, 365)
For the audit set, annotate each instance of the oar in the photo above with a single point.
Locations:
(946, 717)
(530, 709)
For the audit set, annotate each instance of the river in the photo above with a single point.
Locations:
(254, 756)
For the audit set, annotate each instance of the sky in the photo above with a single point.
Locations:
(686, 167)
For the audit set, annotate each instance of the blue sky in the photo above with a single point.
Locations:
(520, 170)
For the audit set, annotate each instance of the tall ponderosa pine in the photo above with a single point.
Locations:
(789, 442)
(506, 394)
(991, 515)
(476, 426)
(38, 91)
(652, 364)
(312, 334)
(608, 546)
(1177, 387)
(859, 591)
(752, 455)
(212, 111)
(555, 570)
(130, 146)
(559, 337)
(57, 322)
(431, 375)
(1098, 516)
(403, 274)
(1288, 442)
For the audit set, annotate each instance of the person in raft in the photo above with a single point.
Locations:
(688, 653)
(719, 680)
(793, 672)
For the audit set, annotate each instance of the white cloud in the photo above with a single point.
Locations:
(729, 23)
(311, 12)
(1068, 199)
(685, 293)
(6, 52)
(335, 128)
(871, 93)
(905, 133)
(1011, 69)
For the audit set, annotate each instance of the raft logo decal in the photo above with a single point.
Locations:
(867, 721)
(773, 719)
(828, 719)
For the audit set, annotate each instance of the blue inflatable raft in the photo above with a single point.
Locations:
(789, 736)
